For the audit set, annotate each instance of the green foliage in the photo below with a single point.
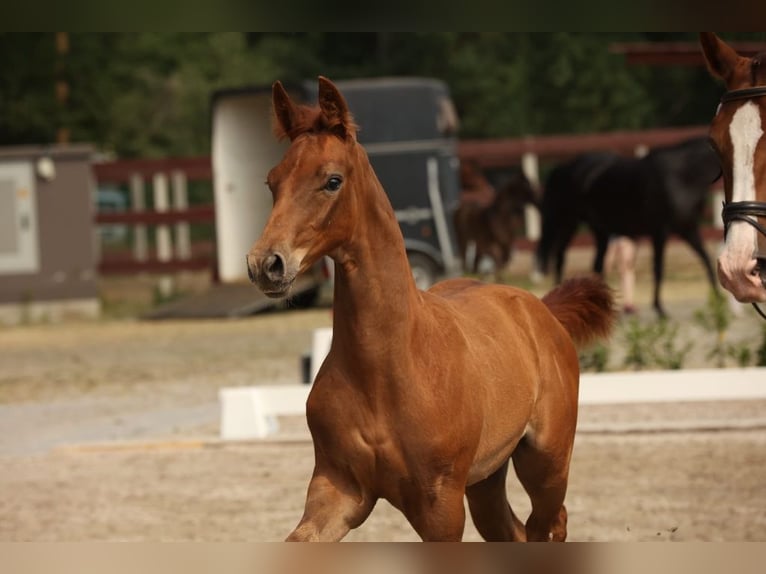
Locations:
(669, 354)
(716, 317)
(148, 94)
(654, 344)
(594, 359)
(760, 353)
(639, 339)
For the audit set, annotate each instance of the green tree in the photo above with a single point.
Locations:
(148, 94)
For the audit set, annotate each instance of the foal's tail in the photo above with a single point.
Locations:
(585, 307)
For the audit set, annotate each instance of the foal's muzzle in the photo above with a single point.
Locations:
(271, 273)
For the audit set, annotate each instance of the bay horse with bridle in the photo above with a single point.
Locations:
(737, 133)
(424, 397)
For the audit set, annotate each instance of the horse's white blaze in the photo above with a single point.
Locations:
(745, 131)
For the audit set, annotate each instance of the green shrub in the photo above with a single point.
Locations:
(654, 344)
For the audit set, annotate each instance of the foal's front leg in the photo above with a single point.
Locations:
(333, 507)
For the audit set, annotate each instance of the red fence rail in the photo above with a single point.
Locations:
(195, 214)
(504, 152)
(197, 168)
(168, 217)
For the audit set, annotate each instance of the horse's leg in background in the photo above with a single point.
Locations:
(501, 256)
(460, 236)
(560, 251)
(602, 244)
(693, 238)
(658, 245)
(543, 254)
(506, 253)
(561, 243)
(478, 253)
(491, 511)
(558, 271)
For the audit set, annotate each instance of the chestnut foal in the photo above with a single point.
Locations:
(424, 397)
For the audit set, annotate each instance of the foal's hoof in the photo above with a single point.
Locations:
(559, 530)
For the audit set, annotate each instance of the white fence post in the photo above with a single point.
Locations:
(180, 203)
(531, 168)
(641, 150)
(138, 204)
(164, 239)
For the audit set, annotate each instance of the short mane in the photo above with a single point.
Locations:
(310, 119)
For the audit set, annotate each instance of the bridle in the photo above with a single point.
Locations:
(746, 211)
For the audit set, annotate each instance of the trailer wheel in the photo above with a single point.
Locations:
(424, 270)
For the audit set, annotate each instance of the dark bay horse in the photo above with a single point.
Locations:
(737, 133)
(491, 220)
(662, 193)
(425, 396)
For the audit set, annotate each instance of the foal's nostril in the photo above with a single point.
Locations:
(274, 267)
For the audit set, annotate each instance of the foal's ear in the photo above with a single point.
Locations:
(720, 57)
(284, 110)
(335, 110)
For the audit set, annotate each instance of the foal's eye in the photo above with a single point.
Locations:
(334, 183)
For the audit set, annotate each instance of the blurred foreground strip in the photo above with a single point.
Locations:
(369, 558)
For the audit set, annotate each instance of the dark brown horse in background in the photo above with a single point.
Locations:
(425, 396)
(737, 133)
(666, 192)
(490, 220)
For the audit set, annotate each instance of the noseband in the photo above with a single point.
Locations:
(743, 94)
(746, 211)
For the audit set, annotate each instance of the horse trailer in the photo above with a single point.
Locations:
(408, 127)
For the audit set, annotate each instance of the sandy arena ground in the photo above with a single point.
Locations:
(108, 431)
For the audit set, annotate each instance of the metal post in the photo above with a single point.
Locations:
(440, 220)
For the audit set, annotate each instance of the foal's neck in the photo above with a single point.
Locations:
(375, 293)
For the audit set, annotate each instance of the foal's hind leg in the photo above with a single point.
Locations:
(490, 510)
(544, 474)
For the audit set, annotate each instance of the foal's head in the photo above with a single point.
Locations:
(737, 134)
(313, 206)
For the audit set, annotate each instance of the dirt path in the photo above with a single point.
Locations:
(698, 486)
(155, 386)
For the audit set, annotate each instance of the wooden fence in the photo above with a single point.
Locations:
(172, 215)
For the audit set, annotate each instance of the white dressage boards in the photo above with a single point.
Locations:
(251, 412)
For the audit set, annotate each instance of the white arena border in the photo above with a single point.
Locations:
(251, 412)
